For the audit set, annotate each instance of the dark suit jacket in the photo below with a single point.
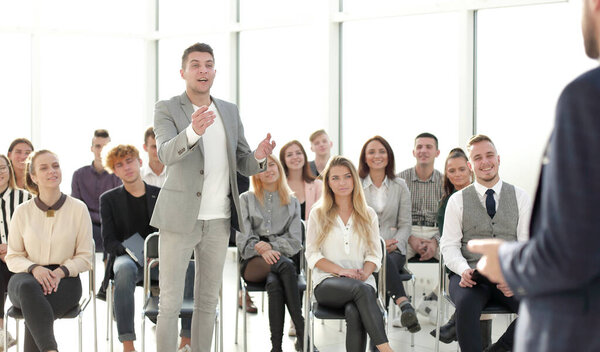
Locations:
(557, 273)
(116, 224)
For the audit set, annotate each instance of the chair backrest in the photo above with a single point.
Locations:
(150, 257)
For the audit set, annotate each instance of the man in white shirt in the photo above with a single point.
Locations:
(489, 208)
(154, 173)
(201, 141)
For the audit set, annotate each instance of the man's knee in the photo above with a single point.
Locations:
(125, 273)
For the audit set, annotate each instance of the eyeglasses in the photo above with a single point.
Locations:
(3, 169)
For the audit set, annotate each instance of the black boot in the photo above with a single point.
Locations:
(486, 333)
(448, 330)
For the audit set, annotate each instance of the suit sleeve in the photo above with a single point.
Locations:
(172, 144)
(246, 240)
(563, 252)
(109, 229)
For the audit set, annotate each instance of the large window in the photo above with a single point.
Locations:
(401, 86)
(521, 71)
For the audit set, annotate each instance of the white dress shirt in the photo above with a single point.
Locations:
(215, 202)
(342, 246)
(376, 196)
(450, 242)
(152, 178)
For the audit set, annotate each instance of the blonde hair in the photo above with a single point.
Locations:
(282, 187)
(327, 210)
(31, 186)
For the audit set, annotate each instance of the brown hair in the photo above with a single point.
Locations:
(363, 168)
(478, 138)
(149, 133)
(454, 154)
(31, 186)
(428, 135)
(316, 134)
(282, 186)
(198, 47)
(11, 175)
(19, 141)
(119, 153)
(307, 174)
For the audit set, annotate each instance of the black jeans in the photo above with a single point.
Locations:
(394, 264)
(41, 310)
(5, 276)
(362, 312)
(469, 302)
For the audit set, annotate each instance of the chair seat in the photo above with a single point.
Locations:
(255, 286)
(323, 312)
(415, 259)
(16, 313)
(495, 308)
(151, 308)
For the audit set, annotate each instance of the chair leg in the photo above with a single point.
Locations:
(245, 319)
(80, 323)
(312, 332)
(237, 310)
(221, 313)
(5, 327)
(340, 329)
(17, 328)
(143, 332)
(414, 304)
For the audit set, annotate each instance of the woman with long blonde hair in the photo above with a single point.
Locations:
(343, 249)
(270, 245)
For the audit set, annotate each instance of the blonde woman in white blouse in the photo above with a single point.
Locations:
(343, 249)
(50, 243)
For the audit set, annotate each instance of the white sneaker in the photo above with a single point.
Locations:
(397, 323)
(185, 348)
(11, 341)
(428, 309)
(292, 330)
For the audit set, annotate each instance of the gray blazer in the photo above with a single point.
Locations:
(179, 200)
(395, 220)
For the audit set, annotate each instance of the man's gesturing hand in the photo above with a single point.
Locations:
(265, 148)
(201, 119)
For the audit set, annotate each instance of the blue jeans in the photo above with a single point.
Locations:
(127, 275)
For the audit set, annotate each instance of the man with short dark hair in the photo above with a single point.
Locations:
(90, 181)
(488, 208)
(201, 141)
(155, 172)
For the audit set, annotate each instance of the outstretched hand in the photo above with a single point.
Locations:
(265, 148)
(489, 264)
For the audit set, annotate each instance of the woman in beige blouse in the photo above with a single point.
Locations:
(50, 243)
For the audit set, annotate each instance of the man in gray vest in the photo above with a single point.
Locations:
(489, 208)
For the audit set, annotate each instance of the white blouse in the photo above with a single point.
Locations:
(342, 246)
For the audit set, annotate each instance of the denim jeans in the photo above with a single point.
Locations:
(127, 275)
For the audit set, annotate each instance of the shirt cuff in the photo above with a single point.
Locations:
(260, 161)
(192, 137)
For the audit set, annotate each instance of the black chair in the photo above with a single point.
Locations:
(75, 312)
(312, 308)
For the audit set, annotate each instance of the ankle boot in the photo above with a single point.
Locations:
(486, 333)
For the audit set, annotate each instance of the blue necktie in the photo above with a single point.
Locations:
(490, 203)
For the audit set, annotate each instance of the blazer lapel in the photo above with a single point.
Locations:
(188, 110)
(392, 197)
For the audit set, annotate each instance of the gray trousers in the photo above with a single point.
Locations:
(208, 241)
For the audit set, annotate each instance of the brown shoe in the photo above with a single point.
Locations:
(250, 307)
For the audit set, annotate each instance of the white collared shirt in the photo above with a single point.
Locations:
(376, 196)
(215, 202)
(450, 242)
(152, 178)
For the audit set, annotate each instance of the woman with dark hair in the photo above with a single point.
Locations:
(18, 151)
(307, 189)
(389, 196)
(272, 239)
(10, 198)
(343, 250)
(50, 243)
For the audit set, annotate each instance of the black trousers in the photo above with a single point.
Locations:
(394, 264)
(5, 276)
(362, 312)
(469, 302)
(41, 310)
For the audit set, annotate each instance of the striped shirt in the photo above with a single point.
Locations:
(425, 196)
(9, 201)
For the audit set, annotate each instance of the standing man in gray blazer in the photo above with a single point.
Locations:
(201, 141)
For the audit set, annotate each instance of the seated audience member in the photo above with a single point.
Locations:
(90, 181)
(270, 247)
(457, 176)
(307, 189)
(343, 249)
(321, 145)
(388, 195)
(50, 243)
(18, 151)
(489, 208)
(154, 173)
(425, 186)
(10, 198)
(126, 211)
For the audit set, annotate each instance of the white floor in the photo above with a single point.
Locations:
(327, 339)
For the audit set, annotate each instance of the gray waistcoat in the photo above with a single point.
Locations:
(476, 223)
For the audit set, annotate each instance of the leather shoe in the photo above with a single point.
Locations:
(447, 331)
(250, 307)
